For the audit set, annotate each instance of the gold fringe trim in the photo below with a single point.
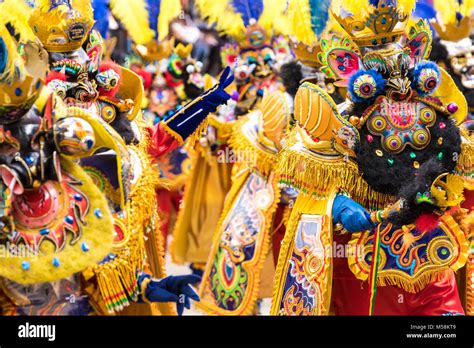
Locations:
(315, 174)
(414, 286)
(250, 153)
(155, 252)
(225, 129)
(304, 204)
(465, 165)
(417, 282)
(171, 132)
(195, 135)
(117, 278)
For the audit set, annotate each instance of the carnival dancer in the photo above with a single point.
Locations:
(177, 80)
(251, 24)
(56, 224)
(308, 23)
(239, 260)
(401, 121)
(113, 96)
(241, 244)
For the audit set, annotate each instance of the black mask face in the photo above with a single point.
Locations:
(75, 65)
(405, 174)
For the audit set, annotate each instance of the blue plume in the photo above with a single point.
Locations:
(101, 16)
(376, 3)
(3, 56)
(153, 7)
(248, 9)
(319, 15)
(425, 9)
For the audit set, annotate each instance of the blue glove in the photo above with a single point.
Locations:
(171, 289)
(351, 214)
(187, 119)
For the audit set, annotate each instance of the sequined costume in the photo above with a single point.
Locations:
(119, 164)
(170, 83)
(253, 60)
(242, 241)
(401, 120)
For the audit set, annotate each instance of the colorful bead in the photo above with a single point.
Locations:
(56, 262)
(354, 120)
(85, 247)
(390, 162)
(452, 107)
(416, 164)
(370, 138)
(440, 156)
(44, 231)
(25, 265)
(440, 141)
(379, 153)
(98, 213)
(442, 125)
(78, 197)
(412, 155)
(29, 159)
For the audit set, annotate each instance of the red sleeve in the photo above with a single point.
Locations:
(160, 142)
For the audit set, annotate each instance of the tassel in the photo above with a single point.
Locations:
(250, 152)
(117, 278)
(374, 270)
(315, 174)
(415, 286)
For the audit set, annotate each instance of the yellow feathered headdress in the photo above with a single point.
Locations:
(236, 17)
(147, 23)
(146, 20)
(453, 19)
(25, 61)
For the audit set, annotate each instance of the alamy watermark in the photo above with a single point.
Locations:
(227, 155)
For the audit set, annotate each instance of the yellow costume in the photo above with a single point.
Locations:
(242, 240)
